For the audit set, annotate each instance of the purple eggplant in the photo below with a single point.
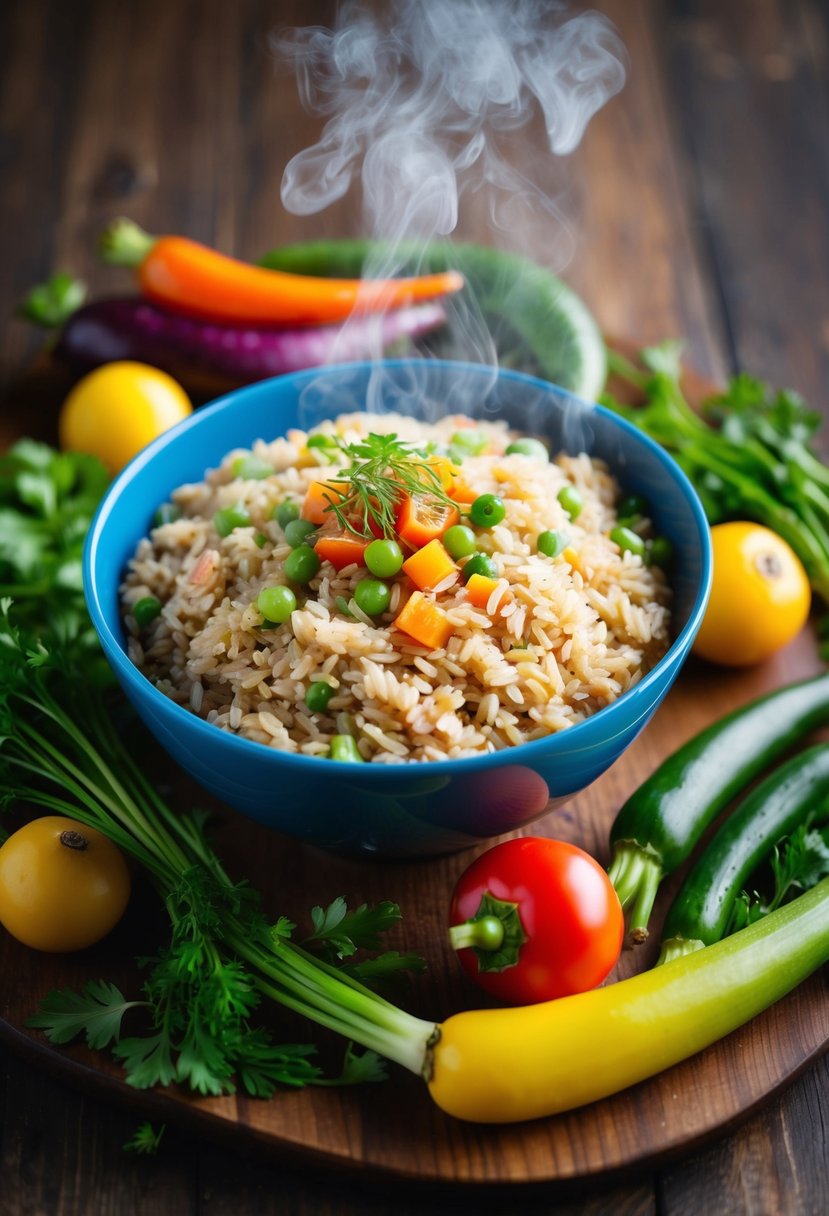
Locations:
(209, 357)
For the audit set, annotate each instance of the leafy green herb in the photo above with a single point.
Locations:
(145, 1140)
(95, 1012)
(62, 749)
(383, 468)
(747, 451)
(798, 863)
(339, 934)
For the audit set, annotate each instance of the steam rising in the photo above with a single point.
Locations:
(430, 107)
(422, 100)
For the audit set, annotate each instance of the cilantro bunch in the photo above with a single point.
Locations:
(748, 452)
(61, 750)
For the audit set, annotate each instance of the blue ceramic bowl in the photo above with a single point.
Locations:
(402, 809)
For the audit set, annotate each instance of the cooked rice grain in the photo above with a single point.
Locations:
(559, 640)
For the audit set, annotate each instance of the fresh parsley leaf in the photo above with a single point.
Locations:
(284, 928)
(145, 1140)
(390, 963)
(344, 932)
(147, 1061)
(358, 1068)
(96, 1012)
(798, 862)
(263, 1066)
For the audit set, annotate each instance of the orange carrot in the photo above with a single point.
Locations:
(341, 550)
(318, 499)
(188, 277)
(424, 621)
(429, 566)
(479, 588)
(461, 492)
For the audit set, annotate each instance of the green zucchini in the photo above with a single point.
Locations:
(700, 913)
(661, 823)
(539, 325)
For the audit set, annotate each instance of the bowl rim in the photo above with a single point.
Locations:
(601, 723)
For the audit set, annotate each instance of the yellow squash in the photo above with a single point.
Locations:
(508, 1065)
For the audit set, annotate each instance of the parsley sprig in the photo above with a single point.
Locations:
(382, 469)
(798, 863)
(61, 749)
(748, 451)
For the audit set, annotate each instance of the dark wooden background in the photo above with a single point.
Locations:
(699, 201)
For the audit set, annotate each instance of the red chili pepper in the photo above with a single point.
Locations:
(533, 919)
(188, 277)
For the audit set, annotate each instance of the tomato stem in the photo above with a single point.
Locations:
(484, 934)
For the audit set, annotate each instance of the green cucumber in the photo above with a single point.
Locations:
(538, 324)
(661, 823)
(700, 912)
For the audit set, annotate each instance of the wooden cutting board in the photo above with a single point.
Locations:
(393, 1128)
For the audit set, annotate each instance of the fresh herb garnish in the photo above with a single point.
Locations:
(62, 750)
(747, 451)
(797, 863)
(145, 1140)
(382, 471)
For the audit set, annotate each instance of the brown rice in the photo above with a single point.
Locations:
(574, 633)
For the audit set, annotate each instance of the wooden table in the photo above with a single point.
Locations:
(696, 206)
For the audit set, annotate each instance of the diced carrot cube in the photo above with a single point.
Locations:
(461, 492)
(319, 497)
(429, 566)
(479, 589)
(424, 621)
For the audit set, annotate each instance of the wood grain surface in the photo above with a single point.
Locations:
(697, 206)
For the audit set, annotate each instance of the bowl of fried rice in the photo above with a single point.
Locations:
(398, 608)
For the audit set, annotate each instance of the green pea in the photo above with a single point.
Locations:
(260, 540)
(228, 518)
(167, 513)
(633, 507)
(344, 748)
(276, 604)
(459, 541)
(297, 531)
(628, 540)
(372, 596)
(384, 558)
(301, 564)
(146, 610)
(467, 443)
(318, 695)
(487, 510)
(659, 551)
(551, 543)
(527, 446)
(479, 563)
(285, 512)
(571, 500)
(252, 468)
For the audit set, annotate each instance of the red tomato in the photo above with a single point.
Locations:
(554, 908)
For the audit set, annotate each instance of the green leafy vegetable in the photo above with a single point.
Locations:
(62, 749)
(95, 1012)
(748, 451)
(798, 863)
(146, 1140)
